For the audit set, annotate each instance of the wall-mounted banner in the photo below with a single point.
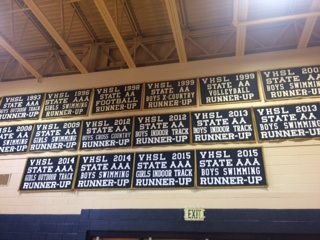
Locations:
(21, 107)
(164, 170)
(229, 88)
(119, 98)
(15, 139)
(222, 126)
(56, 136)
(296, 82)
(107, 133)
(67, 104)
(105, 171)
(177, 93)
(230, 167)
(162, 129)
(288, 122)
(49, 173)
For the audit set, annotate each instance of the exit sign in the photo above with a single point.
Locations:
(194, 214)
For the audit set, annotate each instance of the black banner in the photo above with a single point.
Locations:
(291, 82)
(105, 171)
(288, 122)
(21, 107)
(69, 103)
(15, 139)
(178, 93)
(162, 129)
(49, 173)
(56, 136)
(231, 167)
(164, 170)
(222, 126)
(229, 88)
(119, 98)
(107, 133)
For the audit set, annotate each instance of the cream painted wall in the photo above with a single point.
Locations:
(292, 167)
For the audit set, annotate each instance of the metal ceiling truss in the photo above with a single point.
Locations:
(56, 36)
(44, 29)
(240, 14)
(105, 14)
(180, 46)
(19, 57)
(215, 44)
(132, 19)
(145, 46)
(309, 25)
(241, 23)
(316, 34)
(173, 14)
(270, 44)
(36, 23)
(285, 30)
(280, 19)
(8, 66)
(147, 49)
(86, 24)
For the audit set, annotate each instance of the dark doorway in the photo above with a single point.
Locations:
(110, 235)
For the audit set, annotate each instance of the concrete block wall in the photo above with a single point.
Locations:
(292, 172)
(292, 167)
(159, 223)
(41, 227)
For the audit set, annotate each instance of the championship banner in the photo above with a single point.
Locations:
(179, 93)
(222, 126)
(230, 168)
(299, 121)
(49, 173)
(67, 104)
(298, 82)
(174, 169)
(21, 107)
(105, 171)
(231, 88)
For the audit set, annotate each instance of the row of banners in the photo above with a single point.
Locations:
(299, 121)
(170, 169)
(234, 88)
(240, 167)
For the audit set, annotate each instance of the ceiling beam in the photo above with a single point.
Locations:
(42, 30)
(129, 12)
(279, 19)
(105, 14)
(19, 58)
(36, 23)
(240, 14)
(56, 36)
(309, 25)
(172, 10)
(84, 21)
